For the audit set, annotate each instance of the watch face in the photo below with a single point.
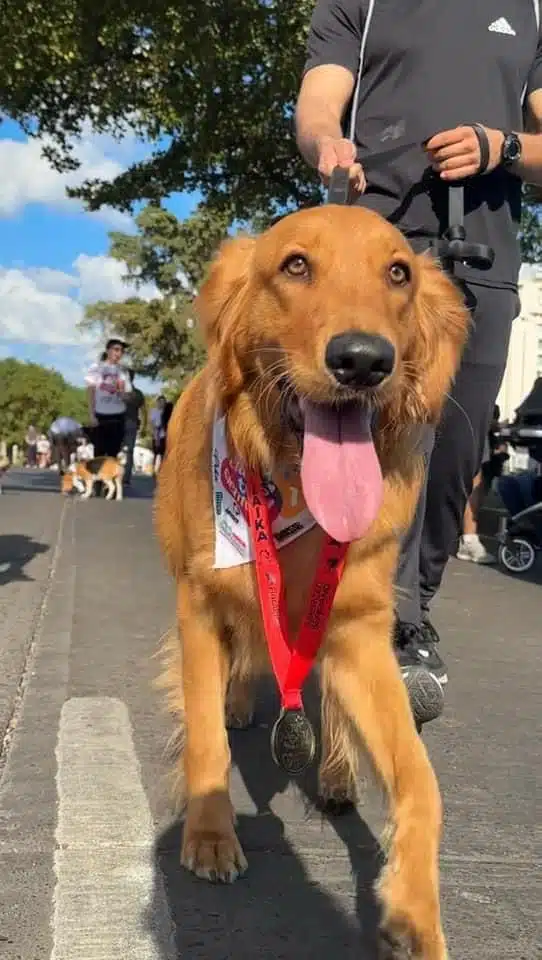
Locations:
(512, 149)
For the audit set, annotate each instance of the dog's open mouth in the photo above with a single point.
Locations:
(340, 471)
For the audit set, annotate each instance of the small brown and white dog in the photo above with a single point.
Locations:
(83, 476)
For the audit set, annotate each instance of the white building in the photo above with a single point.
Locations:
(525, 352)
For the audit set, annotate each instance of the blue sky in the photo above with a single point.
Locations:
(53, 255)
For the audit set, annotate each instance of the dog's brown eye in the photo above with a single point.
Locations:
(399, 273)
(296, 266)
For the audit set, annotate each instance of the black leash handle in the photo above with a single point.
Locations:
(339, 186)
(453, 247)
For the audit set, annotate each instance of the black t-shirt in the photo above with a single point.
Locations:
(428, 66)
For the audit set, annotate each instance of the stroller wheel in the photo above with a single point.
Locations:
(517, 555)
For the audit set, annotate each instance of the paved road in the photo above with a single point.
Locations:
(88, 845)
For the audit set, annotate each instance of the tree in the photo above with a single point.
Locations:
(212, 83)
(32, 394)
(531, 234)
(170, 254)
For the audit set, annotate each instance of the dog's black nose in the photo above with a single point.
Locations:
(359, 360)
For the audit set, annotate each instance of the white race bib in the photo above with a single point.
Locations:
(288, 511)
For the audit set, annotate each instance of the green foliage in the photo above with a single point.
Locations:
(211, 82)
(32, 394)
(531, 233)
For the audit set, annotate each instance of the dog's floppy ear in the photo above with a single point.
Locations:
(441, 326)
(220, 306)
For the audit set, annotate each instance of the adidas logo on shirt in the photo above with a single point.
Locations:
(502, 26)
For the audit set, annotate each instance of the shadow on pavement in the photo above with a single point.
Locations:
(35, 481)
(16, 550)
(277, 911)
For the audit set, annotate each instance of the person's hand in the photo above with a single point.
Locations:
(455, 154)
(340, 153)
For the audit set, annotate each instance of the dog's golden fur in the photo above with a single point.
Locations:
(262, 323)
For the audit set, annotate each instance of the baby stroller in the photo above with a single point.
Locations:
(522, 537)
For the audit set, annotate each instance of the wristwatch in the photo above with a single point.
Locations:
(510, 150)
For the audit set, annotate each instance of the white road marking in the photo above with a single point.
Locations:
(109, 899)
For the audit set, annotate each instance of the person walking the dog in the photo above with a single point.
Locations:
(413, 99)
(107, 386)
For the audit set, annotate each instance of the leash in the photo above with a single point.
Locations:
(453, 247)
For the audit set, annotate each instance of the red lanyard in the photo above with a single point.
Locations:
(291, 663)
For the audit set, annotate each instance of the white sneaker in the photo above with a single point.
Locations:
(471, 548)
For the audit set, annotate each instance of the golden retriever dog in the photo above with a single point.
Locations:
(329, 344)
(106, 469)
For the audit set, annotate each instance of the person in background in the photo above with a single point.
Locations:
(411, 99)
(108, 385)
(85, 450)
(166, 417)
(135, 419)
(44, 451)
(518, 491)
(158, 432)
(495, 455)
(31, 446)
(64, 433)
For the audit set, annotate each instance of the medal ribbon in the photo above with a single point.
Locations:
(291, 663)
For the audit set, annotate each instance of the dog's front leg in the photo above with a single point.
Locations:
(210, 846)
(88, 488)
(361, 676)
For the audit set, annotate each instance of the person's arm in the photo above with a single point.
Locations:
(456, 153)
(92, 380)
(333, 52)
(529, 167)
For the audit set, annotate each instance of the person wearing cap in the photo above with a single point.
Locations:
(413, 98)
(108, 384)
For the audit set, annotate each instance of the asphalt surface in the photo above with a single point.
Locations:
(89, 846)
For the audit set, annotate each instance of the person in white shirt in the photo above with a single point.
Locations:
(107, 385)
(44, 451)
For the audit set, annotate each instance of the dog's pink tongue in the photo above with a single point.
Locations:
(340, 473)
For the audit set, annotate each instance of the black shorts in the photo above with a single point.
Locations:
(107, 437)
(159, 447)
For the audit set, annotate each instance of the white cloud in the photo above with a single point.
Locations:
(44, 306)
(27, 177)
(102, 278)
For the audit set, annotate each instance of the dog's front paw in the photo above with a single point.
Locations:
(410, 927)
(210, 846)
(213, 856)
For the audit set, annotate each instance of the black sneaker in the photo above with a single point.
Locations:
(423, 670)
